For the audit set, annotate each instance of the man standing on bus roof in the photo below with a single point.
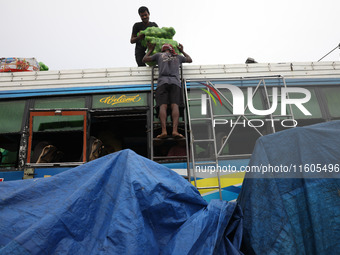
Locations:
(137, 27)
(168, 91)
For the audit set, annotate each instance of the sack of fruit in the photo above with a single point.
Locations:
(159, 36)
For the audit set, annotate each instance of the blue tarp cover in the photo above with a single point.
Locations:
(294, 215)
(119, 204)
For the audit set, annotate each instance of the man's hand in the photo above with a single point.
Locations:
(151, 46)
(136, 38)
(141, 36)
(147, 57)
(180, 48)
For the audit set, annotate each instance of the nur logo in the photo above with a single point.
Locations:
(204, 98)
(239, 100)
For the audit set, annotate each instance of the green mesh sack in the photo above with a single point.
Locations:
(159, 36)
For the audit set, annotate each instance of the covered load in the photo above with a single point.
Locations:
(293, 213)
(118, 204)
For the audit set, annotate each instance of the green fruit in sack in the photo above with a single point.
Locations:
(158, 37)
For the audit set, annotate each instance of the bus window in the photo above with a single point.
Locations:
(332, 95)
(11, 116)
(9, 147)
(313, 106)
(237, 134)
(57, 136)
(123, 129)
(234, 134)
(65, 103)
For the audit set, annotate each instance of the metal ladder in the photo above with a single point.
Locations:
(182, 124)
(209, 140)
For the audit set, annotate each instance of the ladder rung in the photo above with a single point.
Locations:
(169, 122)
(205, 140)
(168, 139)
(211, 187)
(194, 99)
(170, 157)
(201, 119)
(206, 163)
(160, 161)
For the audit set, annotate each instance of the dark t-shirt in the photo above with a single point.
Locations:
(139, 26)
(168, 67)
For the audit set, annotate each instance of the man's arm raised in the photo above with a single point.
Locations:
(147, 57)
(181, 49)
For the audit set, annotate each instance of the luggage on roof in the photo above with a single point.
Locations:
(18, 64)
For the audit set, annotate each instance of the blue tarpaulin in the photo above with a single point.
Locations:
(119, 204)
(287, 213)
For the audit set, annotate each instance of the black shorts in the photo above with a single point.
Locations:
(168, 94)
(139, 59)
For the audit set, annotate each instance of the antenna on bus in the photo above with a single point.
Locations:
(330, 52)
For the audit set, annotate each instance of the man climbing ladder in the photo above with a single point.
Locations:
(168, 90)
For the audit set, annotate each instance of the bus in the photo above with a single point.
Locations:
(51, 121)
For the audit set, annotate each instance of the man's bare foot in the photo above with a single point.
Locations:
(162, 136)
(177, 135)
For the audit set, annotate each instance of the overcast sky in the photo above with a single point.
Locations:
(81, 34)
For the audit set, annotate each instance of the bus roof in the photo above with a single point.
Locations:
(24, 84)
